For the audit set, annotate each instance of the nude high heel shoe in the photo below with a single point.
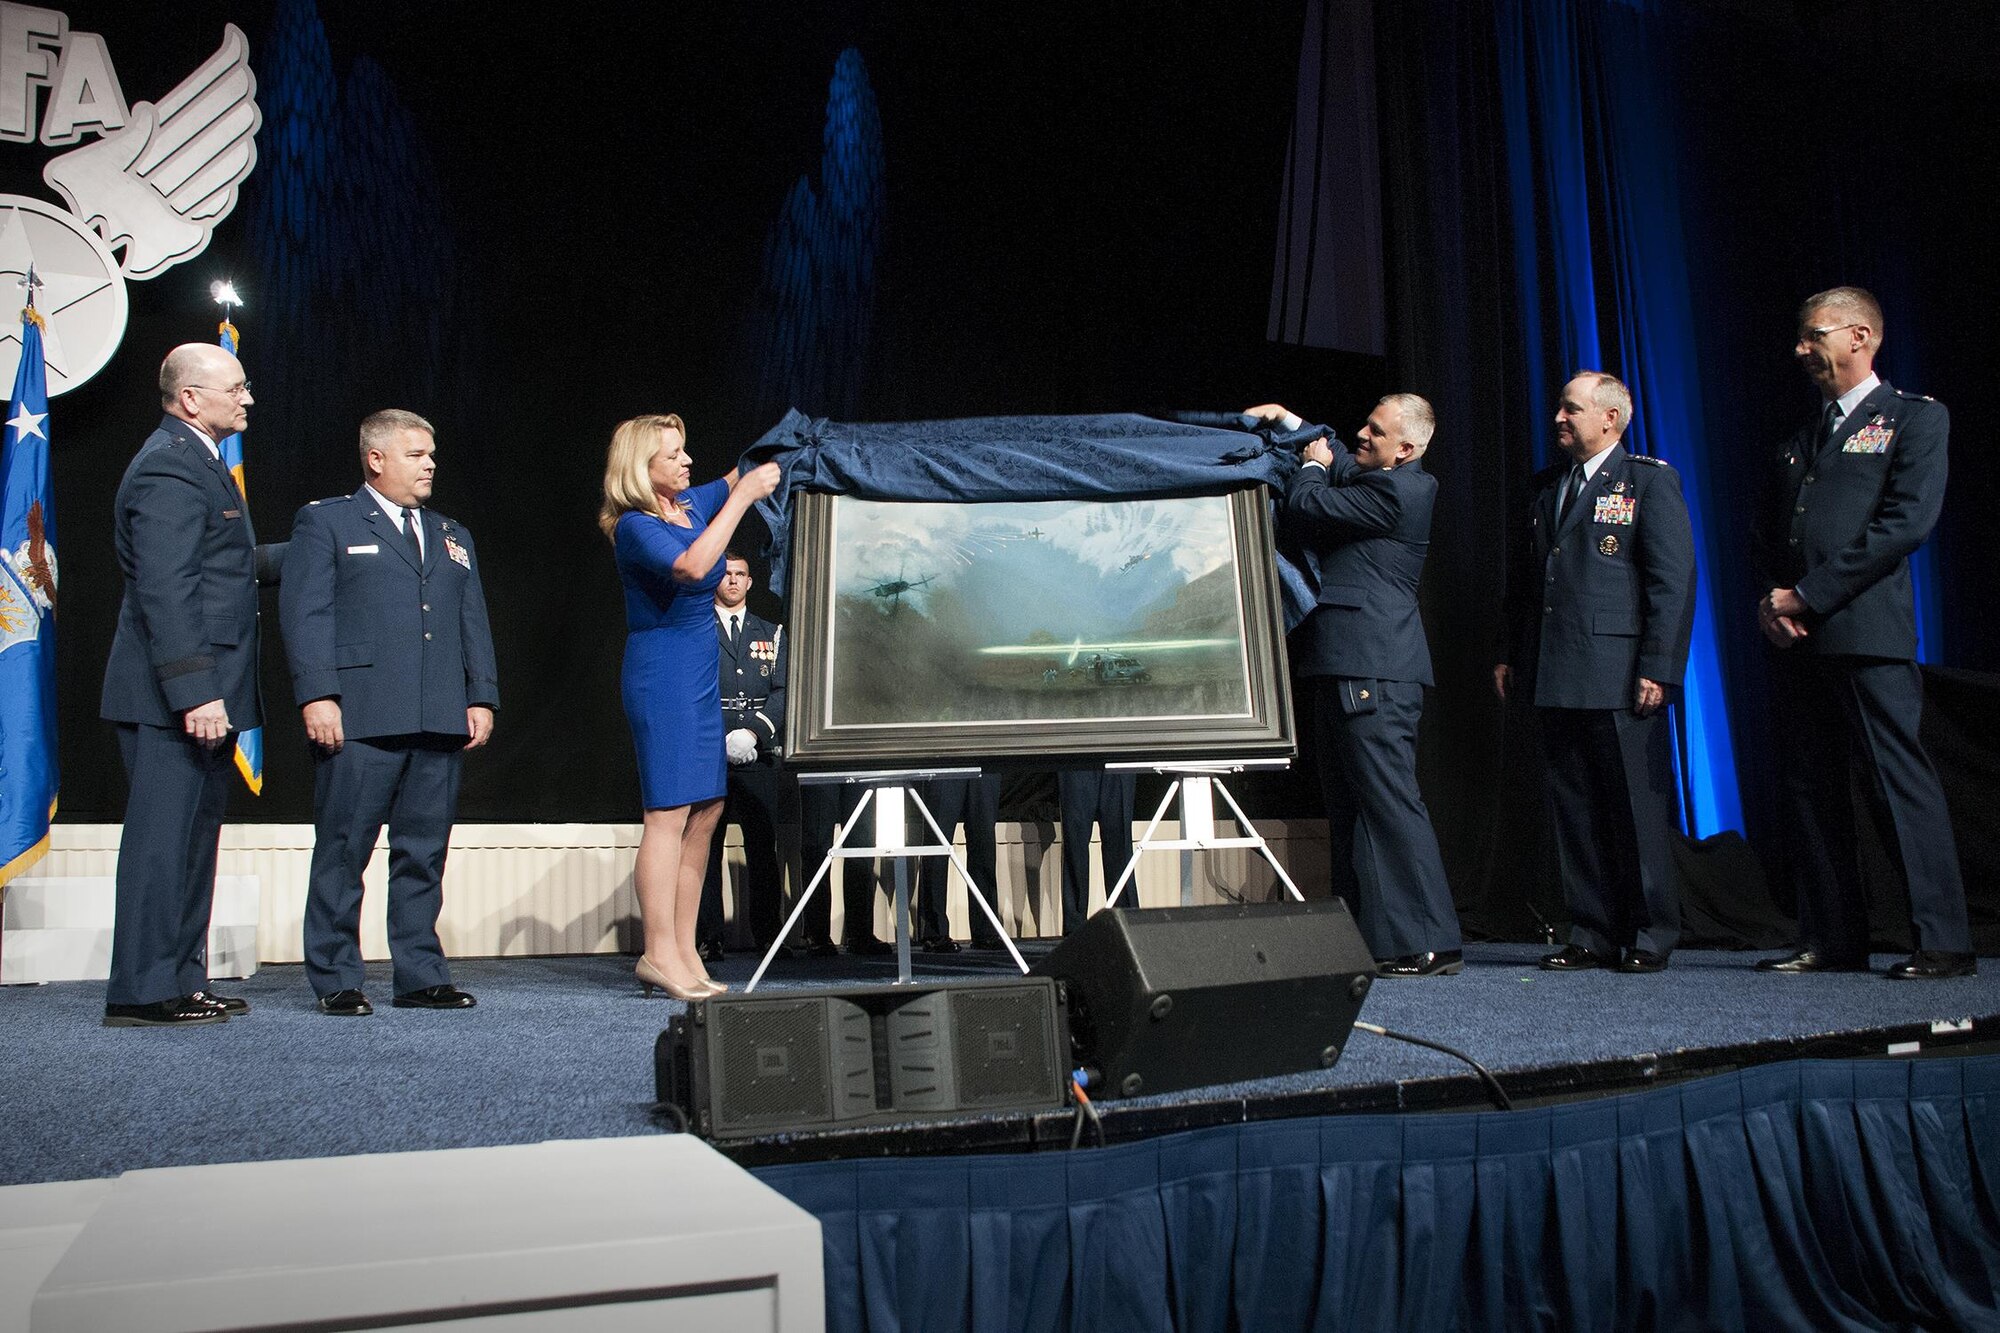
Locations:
(650, 976)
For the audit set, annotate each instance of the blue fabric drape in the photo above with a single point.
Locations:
(1118, 456)
(1809, 1196)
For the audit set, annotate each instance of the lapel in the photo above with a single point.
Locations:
(1594, 487)
(433, 537)
(1863, 413)
(214, 464)
(229, 485)
(385, 530)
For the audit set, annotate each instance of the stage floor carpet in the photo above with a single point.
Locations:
(562, 1048)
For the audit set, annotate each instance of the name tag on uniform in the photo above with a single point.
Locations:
(1614, 509)
(1872, 438)
(232, 513)
(363, 550)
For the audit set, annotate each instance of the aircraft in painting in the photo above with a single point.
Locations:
(894, 589)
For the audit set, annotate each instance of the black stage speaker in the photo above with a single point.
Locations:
(1176, 997)
(775, 1062)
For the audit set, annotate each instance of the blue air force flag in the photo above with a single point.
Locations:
(28, 777)
(249, 744)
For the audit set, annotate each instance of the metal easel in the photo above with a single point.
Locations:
(1197, 786)
(892, 792)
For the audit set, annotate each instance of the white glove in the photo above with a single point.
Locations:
(741, 746)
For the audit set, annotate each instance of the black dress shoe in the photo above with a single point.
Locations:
(1813, 960)
(983, 945)
(346, 1004)
(434, 997)
(870, 947)
(942, 944)
(1642, 960)
(1439, 963)
(820, 949)
(1576, 958)
(1935, 965)
(228, 1004)
(710, 951)
(183, 1011)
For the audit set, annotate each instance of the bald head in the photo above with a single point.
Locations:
(204, 385)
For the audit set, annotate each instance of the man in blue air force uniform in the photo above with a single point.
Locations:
(1599, 619)
(1366, 516)
(392, 666)
(750, 667)
(1855, 491)
(180, 683)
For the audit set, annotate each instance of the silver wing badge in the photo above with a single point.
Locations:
(159, 186)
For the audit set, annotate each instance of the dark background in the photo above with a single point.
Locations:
(529, 230)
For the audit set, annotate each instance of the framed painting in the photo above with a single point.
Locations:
(1046, 634)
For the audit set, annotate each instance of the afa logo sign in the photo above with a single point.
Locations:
(145, 186)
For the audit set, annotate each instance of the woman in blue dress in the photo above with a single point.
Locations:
(670, 537)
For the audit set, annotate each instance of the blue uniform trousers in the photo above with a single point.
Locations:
(822, 806)
(752, 805)
(1094, 796)
(411, 784)
(179, 790)
(974, 802)
(1383, 850)
(1611, 781)
(1833, 712)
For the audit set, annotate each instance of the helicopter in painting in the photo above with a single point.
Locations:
(892, 590)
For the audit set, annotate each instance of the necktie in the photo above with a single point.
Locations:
(410, 534)
(1572, 487)
(1829, 422)
(735, 632)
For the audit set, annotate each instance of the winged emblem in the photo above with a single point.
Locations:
(35, 562)
(159, 186)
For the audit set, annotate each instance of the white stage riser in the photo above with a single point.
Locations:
(521, 890)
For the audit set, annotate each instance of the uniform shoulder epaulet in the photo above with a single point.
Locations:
(1913, 396)
(330, 500)
(1649, 460)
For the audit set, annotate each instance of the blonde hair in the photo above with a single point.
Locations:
(628, 485)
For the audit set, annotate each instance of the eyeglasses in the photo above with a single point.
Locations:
(1809, 336)
(239, 393)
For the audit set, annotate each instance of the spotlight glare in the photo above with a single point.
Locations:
(224, 293)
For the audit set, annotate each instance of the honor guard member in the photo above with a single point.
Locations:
(180, 683)
(1854, 491)
(750, 654)
(1365, 516)
(392, 666)
(1600, 618)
